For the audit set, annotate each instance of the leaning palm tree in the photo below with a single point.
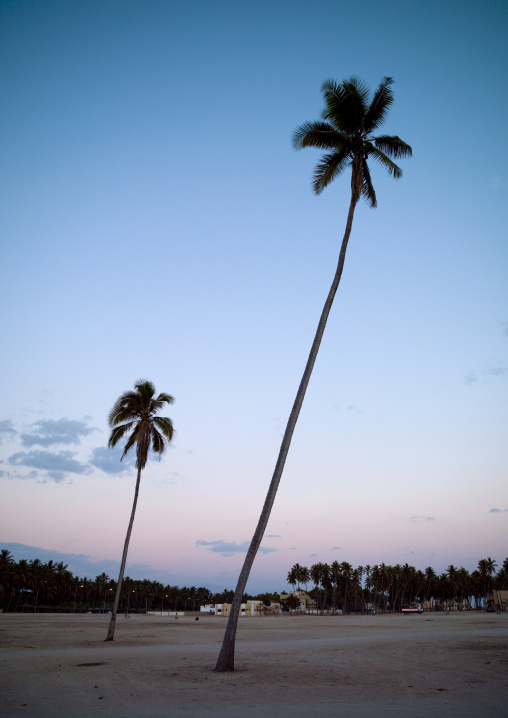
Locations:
(346, 133)
(134, 414)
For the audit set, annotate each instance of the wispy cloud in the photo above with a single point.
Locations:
(355, 409)
(273, 536)
(349, 407)
(56, 465)
(499, 369)
(226, 548)
(7, 429)
(336, 548)
(80, 564)
(421, 519)
(498, 511)
(48, 432)
(496, 370)
(108, 460)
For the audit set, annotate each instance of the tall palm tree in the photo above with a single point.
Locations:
(430, 583)
(502, 576)
(368, 582)
(356, 578)
(292, 578)
(336, 577)
(316, 574)
(347, 572)
(304, 576)
(486, 567)
(6, 571)
(298, 575)
(346, 133)
(135, 415)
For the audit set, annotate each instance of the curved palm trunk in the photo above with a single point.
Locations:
(226, 660)
(112, 623)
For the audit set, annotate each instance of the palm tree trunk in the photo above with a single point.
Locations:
(112, 623)
(226, 660)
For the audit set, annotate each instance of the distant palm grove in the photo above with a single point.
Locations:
(31, 586)
(37, 586)
(339, 586)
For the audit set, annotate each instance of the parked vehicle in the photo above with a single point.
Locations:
(411, 609)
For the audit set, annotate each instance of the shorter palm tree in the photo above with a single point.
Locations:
(134, 414)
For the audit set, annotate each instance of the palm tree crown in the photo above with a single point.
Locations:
(346, 131)
(135, 411)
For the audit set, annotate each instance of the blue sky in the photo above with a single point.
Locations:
(157, 223)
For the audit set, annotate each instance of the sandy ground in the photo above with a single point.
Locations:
(430, 665)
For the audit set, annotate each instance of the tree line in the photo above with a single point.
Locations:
(29, 586)
(37, 586)
(339, 586)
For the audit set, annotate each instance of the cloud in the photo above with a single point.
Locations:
(505, 329)
(500, 369)
(168, 479)
(35, 475)
(7, 429)
(337, 548)
(354, 408)
(62, 431)
(108, 460)
(55, 464)
(471, 378)
(421, 519)
(87, 566)
(80, 564)
(496, 371)
(498, 511)
(350, 407)
(273, 536)
(230, 548)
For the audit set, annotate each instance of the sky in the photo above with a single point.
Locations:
(156, 223)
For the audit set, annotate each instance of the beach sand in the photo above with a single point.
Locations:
(430, 665)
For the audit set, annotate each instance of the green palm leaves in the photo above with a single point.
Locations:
(345, 131)
(135, 412)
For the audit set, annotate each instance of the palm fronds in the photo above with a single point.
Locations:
(135, 412)
(345, 132)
